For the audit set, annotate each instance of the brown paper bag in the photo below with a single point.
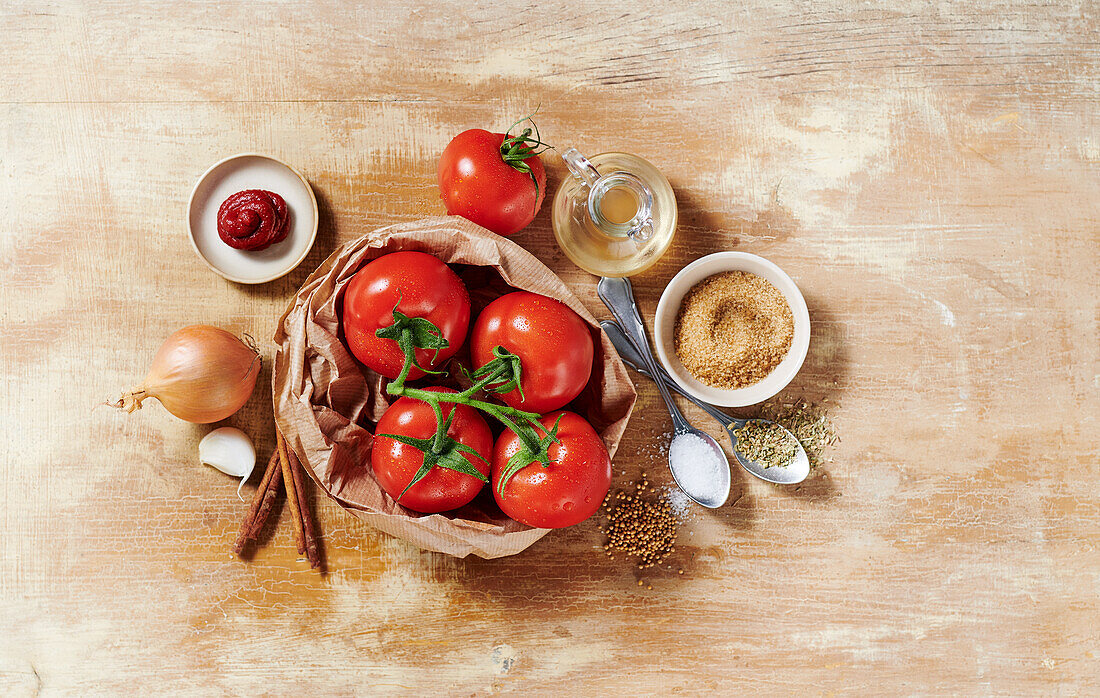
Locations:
(326, 402)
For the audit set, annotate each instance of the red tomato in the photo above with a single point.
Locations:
(567, 491)
(476, 183)
(426, 287)
(553, 343)
(395, 464)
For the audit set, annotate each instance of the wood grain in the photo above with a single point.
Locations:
(929, 173)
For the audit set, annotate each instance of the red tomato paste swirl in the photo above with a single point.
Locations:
(253, 219)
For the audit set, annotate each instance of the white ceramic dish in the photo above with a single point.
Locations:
(669, 307)
(251, 171)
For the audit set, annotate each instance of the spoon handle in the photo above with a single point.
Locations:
(633, 358)
(618, 295)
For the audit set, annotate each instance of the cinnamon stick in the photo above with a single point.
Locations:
(291, 493)
(270, 496)
(261, 504)
(283, 468)
(313, 552)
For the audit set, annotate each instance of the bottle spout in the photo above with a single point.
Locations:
(581, 168)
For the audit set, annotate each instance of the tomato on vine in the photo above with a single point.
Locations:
(553, 343)
(428, 460)
(565, 491)
(405, 300)
(404, 314)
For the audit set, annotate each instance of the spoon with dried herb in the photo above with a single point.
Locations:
(769, 445)
(763, 448)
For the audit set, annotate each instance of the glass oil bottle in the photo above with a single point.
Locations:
(616, 215)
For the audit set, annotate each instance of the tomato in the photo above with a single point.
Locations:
(553, 343)
(476, 183)
(567, 491)
(426, 288)
(395, 463)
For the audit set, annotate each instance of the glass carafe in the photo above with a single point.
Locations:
(616, 214)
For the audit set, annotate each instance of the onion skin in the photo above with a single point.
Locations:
(200, 374)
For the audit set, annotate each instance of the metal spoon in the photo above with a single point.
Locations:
(792, 474)
(698, 464)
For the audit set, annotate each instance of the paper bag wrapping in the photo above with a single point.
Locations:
(326, 402)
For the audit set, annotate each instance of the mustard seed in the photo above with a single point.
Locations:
(642, 528)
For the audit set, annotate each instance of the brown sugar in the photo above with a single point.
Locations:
(733, 329)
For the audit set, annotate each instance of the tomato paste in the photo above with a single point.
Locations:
(253, 219)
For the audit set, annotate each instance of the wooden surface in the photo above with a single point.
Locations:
(929, 173)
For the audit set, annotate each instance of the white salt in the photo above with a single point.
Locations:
(678, 502)
(699, 465)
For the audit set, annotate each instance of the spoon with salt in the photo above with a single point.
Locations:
(698, 464)
(791, 474)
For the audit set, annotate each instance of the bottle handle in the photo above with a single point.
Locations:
(642, 232)
(581, 168)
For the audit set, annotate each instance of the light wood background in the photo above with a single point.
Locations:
(928, 172)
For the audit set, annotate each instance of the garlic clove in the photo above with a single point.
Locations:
(229, 450)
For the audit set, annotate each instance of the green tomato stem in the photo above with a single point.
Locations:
(522, 423)
(494, 409)
(405, 343)
(502, 413)
(497, 373)
(440, 437)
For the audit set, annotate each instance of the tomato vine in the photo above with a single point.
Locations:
(502, 374)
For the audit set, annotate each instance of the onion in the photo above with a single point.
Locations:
(200, 374)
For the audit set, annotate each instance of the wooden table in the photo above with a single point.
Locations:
(929, 174)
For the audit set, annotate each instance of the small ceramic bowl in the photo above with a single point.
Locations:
(251, 171)
(669, 307)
